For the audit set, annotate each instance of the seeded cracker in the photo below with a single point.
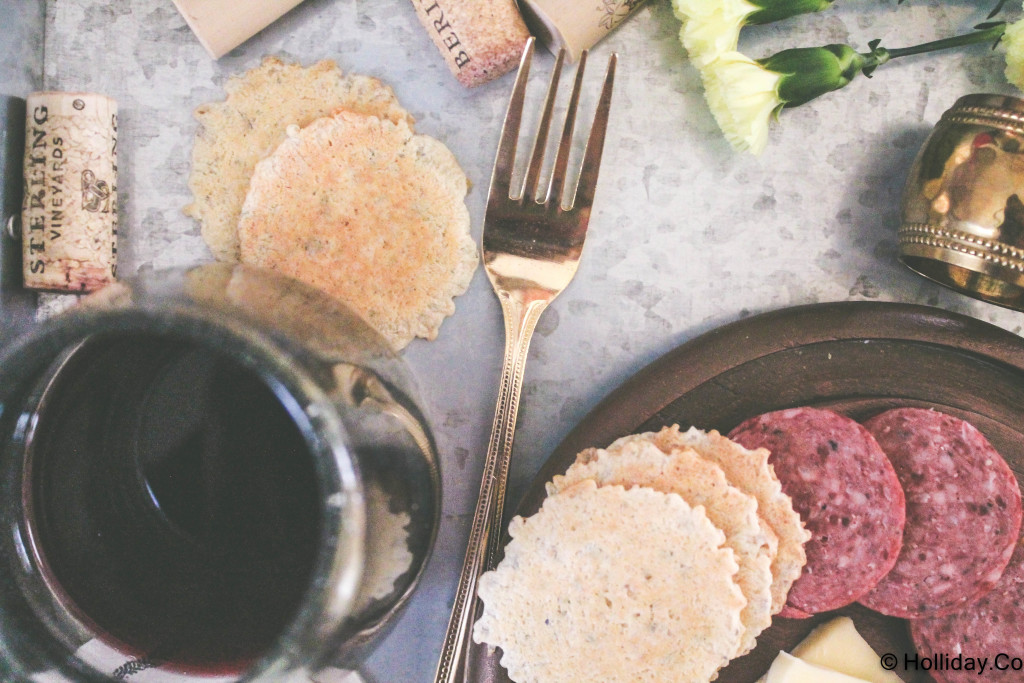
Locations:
(363, 209)
(749, 471)
(636, 461)
(582, 596)
(252, 121)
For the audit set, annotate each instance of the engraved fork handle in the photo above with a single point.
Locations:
(485, 534)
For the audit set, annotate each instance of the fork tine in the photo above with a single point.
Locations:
(587, 185)
(532, 180)
(556, 189)
(504, 161)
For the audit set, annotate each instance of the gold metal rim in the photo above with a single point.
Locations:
(942, 239)
(990, 117)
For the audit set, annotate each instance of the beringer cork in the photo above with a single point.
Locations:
(479, 39)
(69, 211)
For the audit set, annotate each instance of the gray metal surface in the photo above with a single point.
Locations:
(686, 235)
(21, 72)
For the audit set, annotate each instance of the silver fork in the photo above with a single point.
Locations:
(531, 249)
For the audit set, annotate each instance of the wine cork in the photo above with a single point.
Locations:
(223, 25)
(479, 39)
(574, 25)
(69, 212)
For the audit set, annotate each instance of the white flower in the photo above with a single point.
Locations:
(711, 27)
(1013, 44)
(742, 95)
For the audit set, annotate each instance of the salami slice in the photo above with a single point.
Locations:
(963, 513)
(847, 494)
(790, 612)
(992, 627)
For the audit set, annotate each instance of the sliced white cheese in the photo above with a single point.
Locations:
(788, 669)
(836, 645)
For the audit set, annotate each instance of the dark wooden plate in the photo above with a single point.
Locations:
(858, 358)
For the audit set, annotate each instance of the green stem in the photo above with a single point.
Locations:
(990, 32)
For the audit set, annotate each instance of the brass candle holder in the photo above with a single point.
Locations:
(963, 206)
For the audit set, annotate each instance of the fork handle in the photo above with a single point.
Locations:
(485, 534)
(520, 322)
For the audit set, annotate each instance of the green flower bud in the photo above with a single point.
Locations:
(712, 27)
(774, 10)
(810, 72)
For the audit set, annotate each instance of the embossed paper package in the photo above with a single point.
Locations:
(574, 25)
(69, 211)
(223, 25)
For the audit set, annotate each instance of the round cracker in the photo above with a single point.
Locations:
(749, 471)
(639, 462)
(608, 584)
(365, 210)
(251, 122)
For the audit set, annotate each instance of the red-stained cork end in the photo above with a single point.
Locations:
(479, 39)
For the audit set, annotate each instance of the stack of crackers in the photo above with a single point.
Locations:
(320, 176)
(659, 558)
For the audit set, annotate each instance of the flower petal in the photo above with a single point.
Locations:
(742, 95)
(710, 29)
(705, 9)
(1013, 44)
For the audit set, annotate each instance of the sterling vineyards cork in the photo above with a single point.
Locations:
(69, 213)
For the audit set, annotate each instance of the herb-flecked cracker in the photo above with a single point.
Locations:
(365, 210)
(235, 134)
(637, 461)
(613, 585)
(749, 471)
